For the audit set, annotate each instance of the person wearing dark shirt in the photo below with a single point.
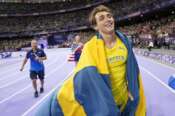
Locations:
(36, 56)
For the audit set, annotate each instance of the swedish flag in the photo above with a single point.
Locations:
(88, 91)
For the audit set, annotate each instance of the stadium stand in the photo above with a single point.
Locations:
(21, 19)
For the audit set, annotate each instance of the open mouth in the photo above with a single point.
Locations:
(109, 24)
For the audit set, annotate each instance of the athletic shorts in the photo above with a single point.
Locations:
(37, 74)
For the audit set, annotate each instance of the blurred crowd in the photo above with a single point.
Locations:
(13, 44)
(35, 1)
(62, 21)
(39, 7)
(160, 31)
(47, 22)
(125, 7)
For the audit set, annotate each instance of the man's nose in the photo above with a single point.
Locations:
(107, 18)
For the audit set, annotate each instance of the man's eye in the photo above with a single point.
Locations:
(109, 15)
(101, 18)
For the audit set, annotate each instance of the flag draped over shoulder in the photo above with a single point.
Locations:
(88, 93)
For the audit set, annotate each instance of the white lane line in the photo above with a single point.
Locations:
(16, 93)
(41, 100)
(9, 76)
(157, 62)
(7, 69)
(18, 72)
(10, 83)
(11, 62)
(157, 79)
(12, 70)
(18, 64)
(19, 79)
(28, 86)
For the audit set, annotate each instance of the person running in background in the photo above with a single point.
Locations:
(36, 57)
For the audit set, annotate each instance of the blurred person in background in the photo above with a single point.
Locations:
(150, 45)
(36, 56)
(167, 41)
(76, 48)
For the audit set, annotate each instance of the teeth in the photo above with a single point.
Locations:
(109, 24)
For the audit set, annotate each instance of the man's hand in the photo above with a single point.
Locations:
(23, 64)
(130, 96)
(39, 59)
(22, 68)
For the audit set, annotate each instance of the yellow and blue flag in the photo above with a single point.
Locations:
(88, 92)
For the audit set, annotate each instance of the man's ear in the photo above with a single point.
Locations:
(95, 27)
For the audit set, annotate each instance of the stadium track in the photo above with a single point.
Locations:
(16, 92)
